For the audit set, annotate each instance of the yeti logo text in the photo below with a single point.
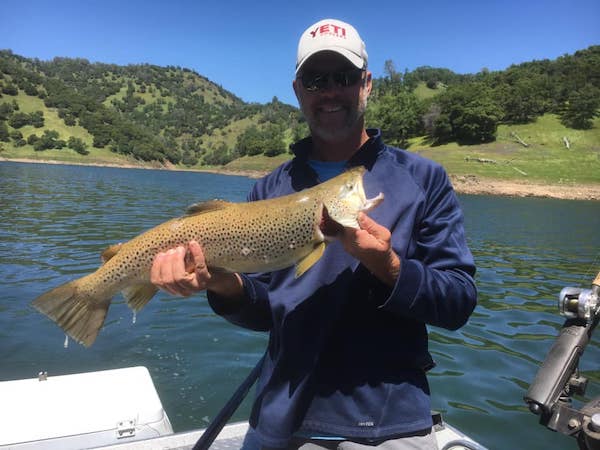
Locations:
(329, 29)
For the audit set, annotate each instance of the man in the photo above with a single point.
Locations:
(347, 358)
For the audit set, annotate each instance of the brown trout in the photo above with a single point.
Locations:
(256, 236)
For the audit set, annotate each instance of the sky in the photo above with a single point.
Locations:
(249, 47)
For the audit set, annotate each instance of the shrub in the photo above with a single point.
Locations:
(4, 135)
(10, 89)
(18, 120)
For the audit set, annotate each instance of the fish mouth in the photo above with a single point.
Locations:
(371, 203)
(331, 228)
(328, 226)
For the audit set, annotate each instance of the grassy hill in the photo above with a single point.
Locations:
(149, 113)
(545, 159)
(174, 117)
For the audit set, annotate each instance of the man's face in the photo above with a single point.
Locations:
(333, 112)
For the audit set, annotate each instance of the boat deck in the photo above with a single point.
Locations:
(232, 436)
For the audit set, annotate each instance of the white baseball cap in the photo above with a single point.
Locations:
(335, 36)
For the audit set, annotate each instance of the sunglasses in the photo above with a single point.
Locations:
(315, 81)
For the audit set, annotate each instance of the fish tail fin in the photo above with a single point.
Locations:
(75, 309)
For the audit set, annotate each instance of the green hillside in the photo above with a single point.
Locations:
(158, 115)
(509, 124)
(545, 159)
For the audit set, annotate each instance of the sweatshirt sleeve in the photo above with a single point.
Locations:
(435, 284)
(252, 311)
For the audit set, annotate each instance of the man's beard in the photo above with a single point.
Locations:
(329, 133)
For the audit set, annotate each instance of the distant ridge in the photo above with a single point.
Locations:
(71, 109)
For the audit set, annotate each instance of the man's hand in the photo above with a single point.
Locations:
(183, 272)
(371, 245)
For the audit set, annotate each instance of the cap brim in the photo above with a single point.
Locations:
(355, 59)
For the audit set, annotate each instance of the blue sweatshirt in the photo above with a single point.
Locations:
(347, 354)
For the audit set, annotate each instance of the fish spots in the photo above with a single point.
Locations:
(245, 237)
(174, 225)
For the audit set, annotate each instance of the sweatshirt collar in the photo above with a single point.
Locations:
(365, 156)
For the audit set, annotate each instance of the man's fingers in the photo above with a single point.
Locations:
(373, 228)
(197, 258)
(169, 273)
(155, 269)
(181, 270)
(171, 267)
(200, 269)
(177, 266)
(160, 274)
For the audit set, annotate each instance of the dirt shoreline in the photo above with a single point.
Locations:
(479, 186)
(469, 184)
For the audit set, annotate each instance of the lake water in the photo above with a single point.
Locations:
(55, 221)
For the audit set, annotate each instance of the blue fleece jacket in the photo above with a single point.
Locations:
(348, 354)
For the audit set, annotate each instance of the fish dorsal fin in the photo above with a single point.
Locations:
(309, 260)
(110, 252)
(202, 207)
(138, 295)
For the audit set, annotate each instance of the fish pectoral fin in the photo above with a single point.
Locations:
(138, 295)
(203, 207)
(110, 252)
(309, 260)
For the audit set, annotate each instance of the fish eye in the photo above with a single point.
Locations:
(347, 189)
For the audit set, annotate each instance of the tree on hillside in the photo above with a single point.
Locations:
(6, 109)
(581, 108)
(19, 119)
(389, 69)
(398, 115)
(36, 119)
(273, 143)
(250, 142)
(4, 134)
(275, 112)
(392, 80)
(392, 83)
(189, 158)
(50, 139)
(255, 141)
(16, 135)
(521, 101)
(299, 130)
(78, 145)
(470, 112)
(437, 124)
(432, 76)
(10, 89)
(220, 156)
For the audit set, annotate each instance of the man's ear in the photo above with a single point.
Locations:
(296, 87)
(369, 82)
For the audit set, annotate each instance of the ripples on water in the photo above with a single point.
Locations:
(55, 221)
